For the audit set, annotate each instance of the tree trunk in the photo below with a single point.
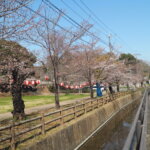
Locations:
(128, 88)
(135, 85)
(91, 90)
(118, 88)
(18, 103)
(141, 84)
(57, 104)
(57, 96)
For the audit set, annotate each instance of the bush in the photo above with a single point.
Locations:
(86, 90)
(51, 88)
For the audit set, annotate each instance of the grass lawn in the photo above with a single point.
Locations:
(35, 100)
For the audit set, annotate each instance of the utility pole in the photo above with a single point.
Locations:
(109, 43)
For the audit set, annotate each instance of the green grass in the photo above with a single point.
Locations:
(35, 100)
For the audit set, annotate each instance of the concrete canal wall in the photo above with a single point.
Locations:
(70, 135)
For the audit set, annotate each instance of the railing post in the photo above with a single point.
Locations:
(61, 119)
(97, 103)
(110, 97)
(91, 104)
(75, 116)
(107, 100)
(12, 132)
(138, 130)
(43, 124)
(141, 117)
(85, 108)
(103, 101)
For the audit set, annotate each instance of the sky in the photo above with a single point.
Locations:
(127, 21)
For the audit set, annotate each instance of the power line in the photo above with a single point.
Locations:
(89, 15)
(47, 19)
(50, 4)
(76, 13)
(99, 22)
(68, 18)
(108, 28)
(97, 17)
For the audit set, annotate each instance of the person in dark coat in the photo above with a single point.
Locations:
(110, 89)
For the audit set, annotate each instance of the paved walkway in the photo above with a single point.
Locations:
(40, 108)
(148, 126)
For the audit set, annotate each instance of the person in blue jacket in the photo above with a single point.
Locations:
(98, 89)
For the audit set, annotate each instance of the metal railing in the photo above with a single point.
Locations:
(136, 139)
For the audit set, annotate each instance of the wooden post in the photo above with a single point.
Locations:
(12, 132)
(43, 124)
(91, 105)
(104, 100)
(110, 98)
(101, 102)
(97, 103)
(61, 119)
(75, 115)
(85, 108)
(107, 100)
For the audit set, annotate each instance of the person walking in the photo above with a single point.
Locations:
(98, 89)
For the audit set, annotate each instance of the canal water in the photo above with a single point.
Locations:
(114, 134)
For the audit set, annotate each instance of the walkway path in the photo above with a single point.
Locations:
(40, 108)
(148, 126)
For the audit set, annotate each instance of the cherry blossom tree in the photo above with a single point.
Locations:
(15, 18)
(86, 61)
(116, 74)
(135, 69)
(55, 42)
(16, 64)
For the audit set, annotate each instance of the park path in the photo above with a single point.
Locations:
(7, 115)
(148, 125)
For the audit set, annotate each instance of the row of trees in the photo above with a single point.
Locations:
(63, 57)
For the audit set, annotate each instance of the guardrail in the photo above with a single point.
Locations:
(136, 139)
(18, 132)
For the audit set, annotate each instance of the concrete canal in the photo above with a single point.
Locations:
(113, 135)
(104, 128)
